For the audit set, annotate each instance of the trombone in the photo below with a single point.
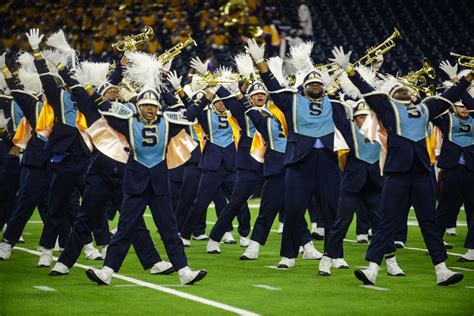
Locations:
(132, 42)
(176, 50)
(464, 60)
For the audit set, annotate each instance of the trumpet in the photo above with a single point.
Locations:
(331, 68)
(464, 60)
(176, 50)
(213, 79)
(419, 78)
(131, 43)
(372, 53)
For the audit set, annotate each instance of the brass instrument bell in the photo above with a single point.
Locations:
(132, 42)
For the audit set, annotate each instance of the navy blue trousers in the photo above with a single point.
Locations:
(67, 176)
(458, 187)
(34, 188)
(315, 212)
(130, 227)
(363, 223)
(209, 184)
(100, 191)
(367, 198)
(272, 200)
(246, 184)
(316, 172)
(10, 170)
(191, 178)
(396, 192)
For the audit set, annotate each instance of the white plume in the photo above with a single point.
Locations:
(3, 83)
(244, 64)
(26, 61)
(275, 64)
(300, 55)
(367, 73)
(54, 57)
(326, 79)
(388, 83)
(224, 71)
(58, 41)
(92, 73)
(144, 70)
(30, 80)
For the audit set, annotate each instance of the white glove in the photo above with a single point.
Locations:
(2, 60)
(255, 50)
(234, 87)
(174, 80)
(341, 58)
(450, 70)
(34, 38)
(200, 67)
(167, 66)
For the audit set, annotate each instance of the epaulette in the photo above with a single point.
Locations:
(177, 117)
(119, 110)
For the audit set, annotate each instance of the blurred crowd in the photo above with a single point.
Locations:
(93, 26)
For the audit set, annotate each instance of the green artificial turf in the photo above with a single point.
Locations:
(299, 291)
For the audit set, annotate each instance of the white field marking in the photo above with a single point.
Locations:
(276, 268)
(415, 223)
(374, 287)
(462, 269)
(44, 288)
(35, 222)
(469, 287)
(266, 287)
(184, 295)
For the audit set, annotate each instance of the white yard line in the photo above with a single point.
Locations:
(160, 288)
(44, 288)
(266, 287)
(461, 268)
(374, 287)
(469, 287)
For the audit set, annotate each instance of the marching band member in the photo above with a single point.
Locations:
(407, 167)
(457, 162)
(36, 172)
(146, 173)
(311, 164)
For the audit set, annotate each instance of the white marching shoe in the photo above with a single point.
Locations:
(59, 269)
(286, 263)
(468, 256)
(393, 269)
(102, 276)
(310, 253)
(21, 240)
(5, 251)
(251, 253)
(46, 258)
(228, 238)
(446, 277)
(325, 266)
(213, 247)
(91, 252)
(200, 237)
(56, 246)
(186, 242)
(339, 263)
(162, 267)
(369, 275)
(363, 239)
(189, 277)
(244, 241)
(280, 228)
(399, 244)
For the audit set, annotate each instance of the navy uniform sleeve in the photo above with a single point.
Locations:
(25, 101)
(233, 105)
(282, 100)
(438, 106)
(117, 75)
(442, 122)
(339, 117)
(51, 90)
(377, 102)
